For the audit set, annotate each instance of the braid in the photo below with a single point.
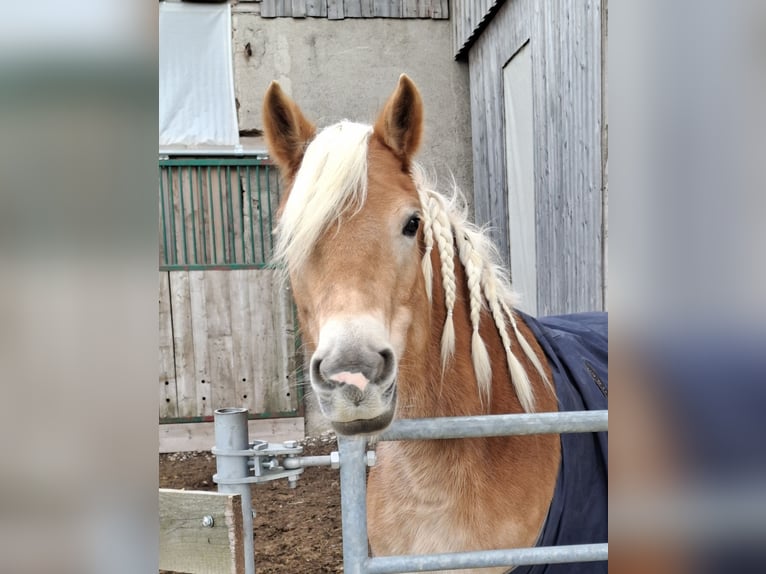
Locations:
(472, 264)
(445, 226)
(526, 347)
(428, 240)
(519, 377)
(444, 240)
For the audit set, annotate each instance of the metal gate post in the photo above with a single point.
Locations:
(353, 502)
(231, 434)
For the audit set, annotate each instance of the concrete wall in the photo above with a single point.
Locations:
(347, 69)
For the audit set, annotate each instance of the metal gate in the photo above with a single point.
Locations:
(270, 462)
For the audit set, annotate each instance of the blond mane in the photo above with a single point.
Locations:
(332, 180)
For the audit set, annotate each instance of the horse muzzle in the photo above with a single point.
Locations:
(353, 374)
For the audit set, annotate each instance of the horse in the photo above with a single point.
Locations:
(407, 312)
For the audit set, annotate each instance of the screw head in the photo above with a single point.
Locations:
(208, 521)
(290, 443)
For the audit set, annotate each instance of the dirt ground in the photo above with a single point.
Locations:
(297, 531)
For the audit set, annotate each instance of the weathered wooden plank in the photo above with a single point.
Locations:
(335, 10)
(187, 545)
(268, 8)
(167, 371)
(395, 8)
(367, 8)
(409, 8)
(440, 9)
(270, 380)
(286, 395)
(381, 9)
(243, 357)
(183, 342)
(217, 303)
(188, 437)
(352, 8)
(284, 8)
(223, 388)
(198, 302)
(299, 8)
(316, 8)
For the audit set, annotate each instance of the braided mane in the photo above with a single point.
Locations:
(332, 179)
(445, 224)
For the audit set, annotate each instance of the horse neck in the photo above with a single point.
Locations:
(426, 391)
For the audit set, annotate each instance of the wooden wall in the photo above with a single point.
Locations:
(565, 39)
(227, 339)
(340, 9)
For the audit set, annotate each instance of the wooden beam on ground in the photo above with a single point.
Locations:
(185, 437)
(188, 545)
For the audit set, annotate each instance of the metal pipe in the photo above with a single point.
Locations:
(303, 461)
(353, 502)
(238, 151)
(497, 425)
(231, 434)
(488, 558)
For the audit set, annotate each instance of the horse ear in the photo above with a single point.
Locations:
(400, 124)
(286, 128)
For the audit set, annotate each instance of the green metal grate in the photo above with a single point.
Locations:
(217, 212)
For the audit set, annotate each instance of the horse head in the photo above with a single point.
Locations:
(350, 237)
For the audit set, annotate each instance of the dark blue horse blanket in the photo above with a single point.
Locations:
(576, 347)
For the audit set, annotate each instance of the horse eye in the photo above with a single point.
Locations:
(411, 228)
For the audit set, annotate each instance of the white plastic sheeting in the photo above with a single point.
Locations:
(196, 77)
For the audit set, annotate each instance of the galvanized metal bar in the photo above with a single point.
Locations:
(230, 218)
(202, 237)
(497, 425)
(241, 214)
(183, 213)
(220, 213)
(260, 209)
(212, 213)
(230, 427)
(271, 223)
(216, 267)
(193, 217)
(306, 461)
(250, 211)
(162, 214)
(171, 205)
(487, 558)
(213, 159)
(353, 502)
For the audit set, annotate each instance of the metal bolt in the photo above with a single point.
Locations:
(260, 445)
(290, 444)
(371, 458)
(292, 481)
(207, 521)
(335, 459)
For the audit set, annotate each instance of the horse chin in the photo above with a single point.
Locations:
(364, 426)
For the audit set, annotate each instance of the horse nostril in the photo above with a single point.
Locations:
(316, 373)
(387, 364)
